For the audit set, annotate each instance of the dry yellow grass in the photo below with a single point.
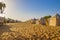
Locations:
(26, 31)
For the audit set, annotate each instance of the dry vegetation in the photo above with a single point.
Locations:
(25, 31)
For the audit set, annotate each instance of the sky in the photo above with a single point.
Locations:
(28, 9)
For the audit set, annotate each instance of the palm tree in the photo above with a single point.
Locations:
(2, 7)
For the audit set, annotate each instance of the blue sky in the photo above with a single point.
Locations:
(27, 9)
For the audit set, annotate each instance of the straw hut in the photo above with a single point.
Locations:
(55, 20)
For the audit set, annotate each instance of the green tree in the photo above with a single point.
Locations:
(46, 17)
(2, 6)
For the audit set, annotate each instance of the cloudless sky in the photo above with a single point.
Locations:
(27, 9)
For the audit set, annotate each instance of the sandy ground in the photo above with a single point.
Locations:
(25, 31)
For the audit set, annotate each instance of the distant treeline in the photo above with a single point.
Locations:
(9, 20)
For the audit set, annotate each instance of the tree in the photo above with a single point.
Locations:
(2, 7)
(46, 17)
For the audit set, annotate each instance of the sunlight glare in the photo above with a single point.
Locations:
(1, 15)
(0, 0)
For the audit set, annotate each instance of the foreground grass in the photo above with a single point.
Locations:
(26, 31)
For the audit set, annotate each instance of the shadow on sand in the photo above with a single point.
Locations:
(4, 28)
